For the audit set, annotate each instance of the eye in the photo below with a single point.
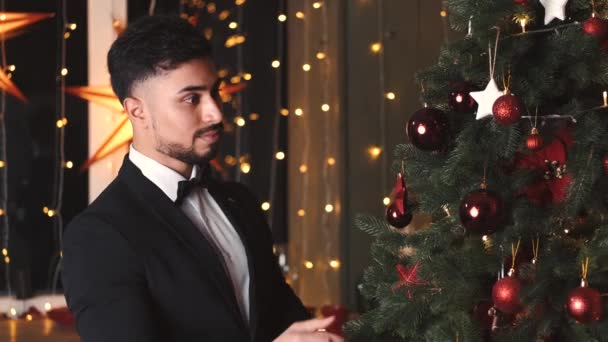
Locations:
(193, 99)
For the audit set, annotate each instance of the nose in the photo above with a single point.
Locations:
(211, 111)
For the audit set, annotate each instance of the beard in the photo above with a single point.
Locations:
(187, 154)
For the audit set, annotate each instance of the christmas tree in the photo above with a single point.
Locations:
(509, 156)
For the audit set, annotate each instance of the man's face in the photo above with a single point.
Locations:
(183, 110)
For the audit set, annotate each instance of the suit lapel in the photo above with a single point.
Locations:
(234, 211)
(184, 230)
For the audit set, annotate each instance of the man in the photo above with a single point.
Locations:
(165, 253)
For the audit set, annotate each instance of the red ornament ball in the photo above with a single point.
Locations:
(460, 99)
(396, 217)
(507, 109)
(481, 212)
(534, 141)
(520, 2)
(505, 295)
(585, 304)
(596, 27)
(605, 164)
(427, 129)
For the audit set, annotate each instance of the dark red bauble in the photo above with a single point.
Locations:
(396, 218)
(427, 129)
(585, 304)
(505, 295)
(596, 27)
(460, 99)
(507, 109)
(481, 212)
(520, 2)
(605, 164)
(534, 141)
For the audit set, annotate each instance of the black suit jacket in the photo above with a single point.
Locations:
(135, 268)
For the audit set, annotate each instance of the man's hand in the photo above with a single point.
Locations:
(312, 330)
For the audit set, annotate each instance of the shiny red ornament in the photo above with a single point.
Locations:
(507, 109)
(427, 129)
(340, 314)
(505, 295)
(460, 99)
(596, 27)
(534, 141)
(584, 304)
(397, 218)
(481, 212)
(61, 316)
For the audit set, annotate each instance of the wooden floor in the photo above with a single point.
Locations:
(38, 330)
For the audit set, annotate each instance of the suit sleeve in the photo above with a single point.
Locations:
(287, 304)
(104, 285)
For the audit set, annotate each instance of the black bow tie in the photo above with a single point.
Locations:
(186, 186)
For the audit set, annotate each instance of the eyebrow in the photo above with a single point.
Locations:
(199, 87)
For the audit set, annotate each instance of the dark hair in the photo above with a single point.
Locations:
(150, 45)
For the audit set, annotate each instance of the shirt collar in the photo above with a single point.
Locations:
(162, 176)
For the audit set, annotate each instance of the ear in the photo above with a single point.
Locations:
(134, 108)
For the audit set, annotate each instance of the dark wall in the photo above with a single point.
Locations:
(31, 128)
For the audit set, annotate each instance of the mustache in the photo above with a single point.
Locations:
(218, 127)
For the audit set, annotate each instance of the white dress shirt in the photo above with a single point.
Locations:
(200, 207)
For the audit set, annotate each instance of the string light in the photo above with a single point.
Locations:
(62, 122)
(45, 210)
(376, 47)
(2, 212)
(390, 95)
(254, 116)
(335, 263)
(28, 317)
(284, 111)
(51, 213)
(443, 13)
(64, 71)
(233, 41)
(280, 155)
(325, 107)
(386, 201)
(374, 152)
(47, 306)
(303, 168)
(224, 15)
(282, 18)
(239, 2)
(329, 208)
(7, 260)
(245, 168)
(239, 121)
(301, 212)
(317, 5)
(211, 8)
(331, 161)
(321, 55)
(69, 164)
(309, 265)
(2, 164)
(276, 64)
(233, 25)
(247, 76)
(72, 26)
(4, 251)
(265, 206)
(306, 67)
(605, 95)
(300, 15)
(12, 68)
(13, 312)
(230, 160)
(298, 112)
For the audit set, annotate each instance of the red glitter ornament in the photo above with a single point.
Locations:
(507, 109)
(505, 295)
(596, 27)
(534, 141)
(585, 304)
